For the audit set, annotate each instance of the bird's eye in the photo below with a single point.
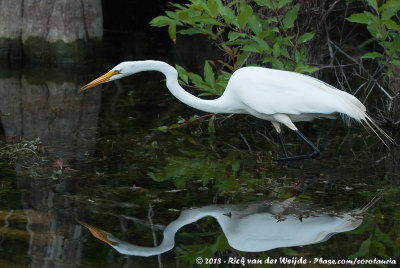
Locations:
(117, 72)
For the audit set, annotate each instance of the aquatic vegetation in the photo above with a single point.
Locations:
(243, 33)
(21, 150)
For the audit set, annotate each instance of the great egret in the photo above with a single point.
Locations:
(252, 227)
(281, 97)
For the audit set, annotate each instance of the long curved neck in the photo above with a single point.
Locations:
(210, 106)
(168, 242)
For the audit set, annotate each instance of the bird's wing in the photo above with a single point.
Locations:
(269, 91)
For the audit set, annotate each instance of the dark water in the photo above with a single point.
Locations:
(100, 165)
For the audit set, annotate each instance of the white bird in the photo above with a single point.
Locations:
(252, 227)
(281, 97)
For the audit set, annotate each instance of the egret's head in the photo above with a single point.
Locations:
(121, 70)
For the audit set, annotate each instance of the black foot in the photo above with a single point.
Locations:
(314, 154)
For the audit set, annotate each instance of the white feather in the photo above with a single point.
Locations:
(274, 95)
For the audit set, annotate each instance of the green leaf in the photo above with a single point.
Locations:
(252, 48)
(211, 21)
(244, 15)
(173, 15)
(265, 3)
(371, 55)
(373, 4)
(223, 78)
(396, 63)
(268, 34)
(201, 5)
(290, 17)
(193, 118)
(359, 18)
(262, 44)
(392, 25)
(178, 6)
(222, 243)
(211, 127)
(184, 15)
(190, 31)
(213, 7)
(182, 73)
(255, 24)
(305, 69)
(393, 47)
(172, 32)
(196, 79)
(235, 35)
(276, 64)
(363, 250)
(276, 50)
(375, 31)
(285, 53)
(240, 59)
(283, 3)
(384, 237)
(227, 14)
(237, 42)
(273, 19)
(305, 38)
(389, 9)
(373, 24)
(209, 76)
(162, 128)
(176, 125)
(161, 21)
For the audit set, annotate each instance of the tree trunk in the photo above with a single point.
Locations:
(49, 30)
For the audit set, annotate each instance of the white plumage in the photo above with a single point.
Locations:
(269, 92)
(281, 97)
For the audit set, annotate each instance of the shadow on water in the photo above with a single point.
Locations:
(99, 160)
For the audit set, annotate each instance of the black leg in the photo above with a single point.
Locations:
(314, 154)
(283, 144)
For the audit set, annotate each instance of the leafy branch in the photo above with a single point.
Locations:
(384, 29)
(239, 29)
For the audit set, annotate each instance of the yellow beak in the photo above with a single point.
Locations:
(98, 233)
(102, 79)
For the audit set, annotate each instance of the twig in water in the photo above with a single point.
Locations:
(268, 139)
(150, 215)
(248, 145)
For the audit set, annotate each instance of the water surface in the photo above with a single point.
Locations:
(78, 163)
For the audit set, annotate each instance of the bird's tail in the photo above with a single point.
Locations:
(356, 110)
(372, 125)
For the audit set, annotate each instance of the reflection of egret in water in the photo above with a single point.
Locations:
(254, 227)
